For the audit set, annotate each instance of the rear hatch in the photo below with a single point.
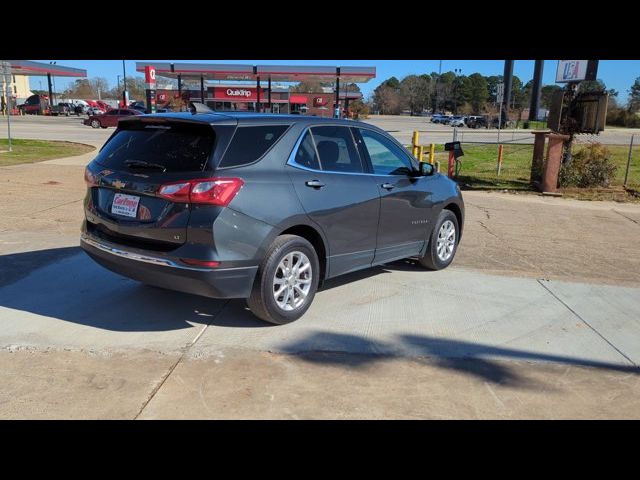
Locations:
(125, 204)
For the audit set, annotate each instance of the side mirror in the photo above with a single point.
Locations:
(427, 169)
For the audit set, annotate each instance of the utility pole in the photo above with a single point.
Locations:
(508, 82)
(6, 74)
(536, 90)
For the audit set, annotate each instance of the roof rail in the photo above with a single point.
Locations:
(198, 107)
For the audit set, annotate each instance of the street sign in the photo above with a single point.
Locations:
(576, 70)
(500, 93)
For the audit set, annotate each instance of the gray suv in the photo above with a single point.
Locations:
(263, 207)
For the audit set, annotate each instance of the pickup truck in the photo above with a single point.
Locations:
(64, 108)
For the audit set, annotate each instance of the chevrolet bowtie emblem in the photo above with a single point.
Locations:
(118, 184)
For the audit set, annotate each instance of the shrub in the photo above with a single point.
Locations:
(591, 166)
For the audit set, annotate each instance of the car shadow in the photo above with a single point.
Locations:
(487, 362)
(66, 284)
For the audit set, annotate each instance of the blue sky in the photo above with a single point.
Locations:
(618, 74)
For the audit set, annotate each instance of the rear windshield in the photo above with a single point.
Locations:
(177, 147)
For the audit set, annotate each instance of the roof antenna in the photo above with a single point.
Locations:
(198, 107)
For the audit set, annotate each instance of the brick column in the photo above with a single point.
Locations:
(552, 165)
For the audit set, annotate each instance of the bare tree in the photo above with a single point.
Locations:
(416, 91)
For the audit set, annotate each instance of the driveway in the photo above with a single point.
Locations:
(536, 318)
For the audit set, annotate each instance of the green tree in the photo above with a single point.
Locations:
(478, 92)
(634, 96)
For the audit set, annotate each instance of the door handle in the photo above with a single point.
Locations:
(387, 186)
(314, 184)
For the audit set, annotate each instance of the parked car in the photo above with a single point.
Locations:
(34, 105)
(63, 108)
(262, 207)
(438, 118)
(94, 111)
(110, 118)
(80, 109)
(476, 121)
(139, 106)
(458, 121)
(446, 119)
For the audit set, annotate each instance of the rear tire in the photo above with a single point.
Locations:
(282, 294)
(95, 124)
(443, 242)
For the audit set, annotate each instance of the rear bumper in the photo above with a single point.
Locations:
(168, 273)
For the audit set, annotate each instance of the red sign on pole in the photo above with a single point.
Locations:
(150, 76)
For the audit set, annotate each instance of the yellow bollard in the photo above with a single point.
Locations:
(415, 139)
(432, 153)
(421, 153)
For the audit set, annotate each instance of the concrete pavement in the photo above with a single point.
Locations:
(538, 317)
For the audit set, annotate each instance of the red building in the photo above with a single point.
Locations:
(245, 98)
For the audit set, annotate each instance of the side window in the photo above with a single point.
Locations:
(384, 155)
(307, 156)
(336, 149)
(113, 112)
(250, 143)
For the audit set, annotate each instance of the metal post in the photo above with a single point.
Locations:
(180, 90)
(508, 82)
(626, 173)
(500, 150)
(536, 91)
(258, 108)
(50, 89)
(125, 103)
(202, 88)
(6, 72)
(269, 94)
(336, 113)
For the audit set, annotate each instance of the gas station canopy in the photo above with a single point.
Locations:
(27, 67)
(281, 73)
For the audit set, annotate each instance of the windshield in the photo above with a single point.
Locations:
(177, 147)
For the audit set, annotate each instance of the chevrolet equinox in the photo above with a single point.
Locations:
(262, 207)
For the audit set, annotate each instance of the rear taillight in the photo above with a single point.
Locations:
(89, 178)
(209, 191)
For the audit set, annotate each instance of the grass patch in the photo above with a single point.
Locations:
(478, 170)
(31, 151)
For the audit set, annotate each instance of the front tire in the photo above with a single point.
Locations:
(443, 242)
(286, 281)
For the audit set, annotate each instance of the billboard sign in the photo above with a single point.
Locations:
(571, 71)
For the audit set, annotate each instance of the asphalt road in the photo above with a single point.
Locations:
(402, 127)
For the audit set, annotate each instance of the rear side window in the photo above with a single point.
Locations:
(307, 156)
(251, 143)
(336, 149)
(176, 148)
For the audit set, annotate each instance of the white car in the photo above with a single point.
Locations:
(458, 121)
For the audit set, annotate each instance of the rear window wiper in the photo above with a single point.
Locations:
(143, 164)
